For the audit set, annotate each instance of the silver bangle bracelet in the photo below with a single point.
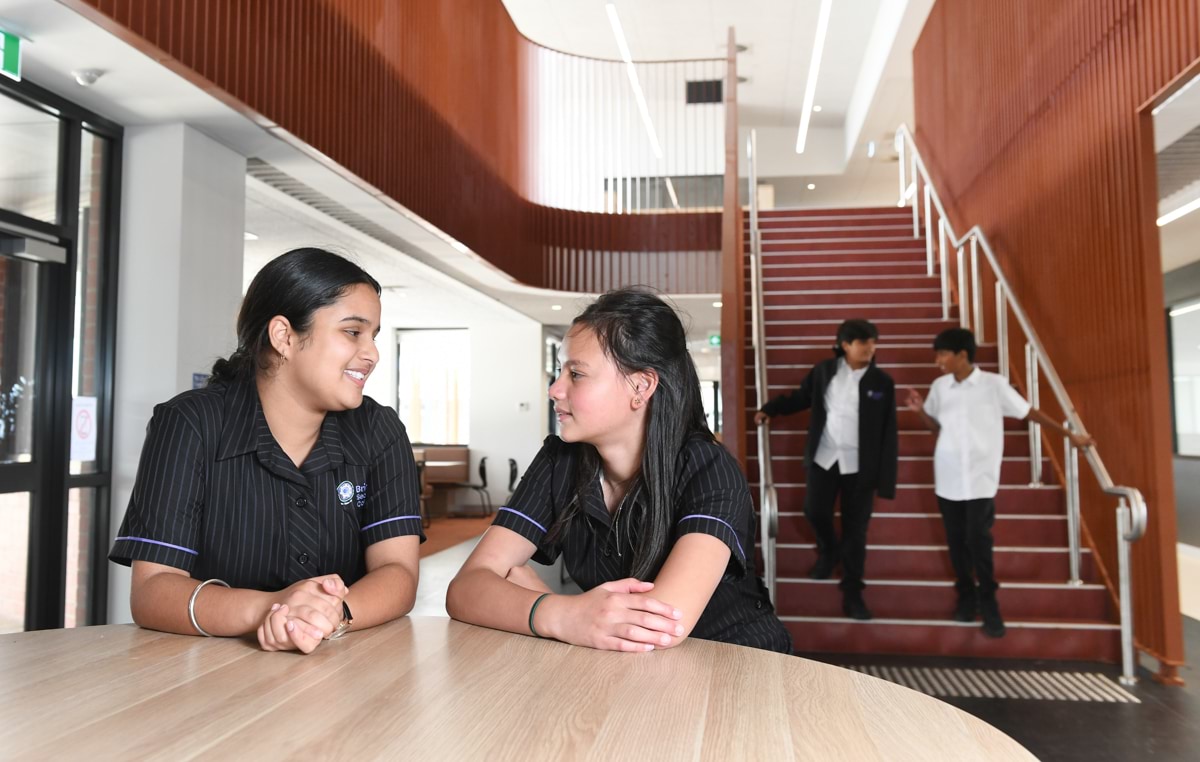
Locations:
(192, 603)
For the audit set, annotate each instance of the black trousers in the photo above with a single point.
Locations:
(969, 535)
(824, 489)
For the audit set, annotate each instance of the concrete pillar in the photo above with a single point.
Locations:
(183, 206)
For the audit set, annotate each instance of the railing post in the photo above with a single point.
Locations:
(963, 308)
(1035, 430)
(976, 291)
(945, 270)
(903, 185)
(1124, 527)
(916, 179)
(1002, 330)
(928, 233)
(1071, 469)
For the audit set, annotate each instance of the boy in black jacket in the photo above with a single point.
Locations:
(852, 450)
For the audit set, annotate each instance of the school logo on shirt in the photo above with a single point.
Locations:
(345, 492)
(360, 493)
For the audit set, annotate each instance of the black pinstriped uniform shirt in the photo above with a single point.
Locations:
(216, 496)
(711, 497)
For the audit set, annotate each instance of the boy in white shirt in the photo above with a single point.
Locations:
(966, 410)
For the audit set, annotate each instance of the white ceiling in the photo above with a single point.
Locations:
(138, 90)
(778, 36)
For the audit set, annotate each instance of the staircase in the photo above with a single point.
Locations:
(821, 267)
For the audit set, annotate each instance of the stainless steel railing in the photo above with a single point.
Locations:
(769, 508)
(1131, 506)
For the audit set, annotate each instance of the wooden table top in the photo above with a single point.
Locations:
(432, 688)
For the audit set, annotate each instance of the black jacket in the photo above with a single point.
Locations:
(878, 441)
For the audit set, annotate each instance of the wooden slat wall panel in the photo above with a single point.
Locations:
(1031, 115)
(428, 102)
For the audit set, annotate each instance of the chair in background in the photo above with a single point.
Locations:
(485, 502)
(425, 490)
(513, 476)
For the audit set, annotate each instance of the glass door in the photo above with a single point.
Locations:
(58, 186)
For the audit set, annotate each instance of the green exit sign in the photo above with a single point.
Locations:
(10, 55)
(714, 339)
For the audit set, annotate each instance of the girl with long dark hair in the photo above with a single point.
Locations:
(652, 517)
(279, 500)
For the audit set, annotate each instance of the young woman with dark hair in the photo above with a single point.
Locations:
(652, 517)
(279, 500)
(852, 452)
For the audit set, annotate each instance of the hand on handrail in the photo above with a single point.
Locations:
(1082, 440)
(760, 418)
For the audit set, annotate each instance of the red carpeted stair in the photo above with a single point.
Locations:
(821, 267)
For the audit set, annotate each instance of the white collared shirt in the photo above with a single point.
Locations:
(839, 441)
(970, 445)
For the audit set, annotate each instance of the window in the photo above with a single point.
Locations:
(1185, 382)
(434, 384)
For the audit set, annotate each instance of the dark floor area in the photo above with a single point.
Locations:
(1187, 500)
(1165, 726)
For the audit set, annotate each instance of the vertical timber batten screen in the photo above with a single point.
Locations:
(1030, 115)
(537, 160)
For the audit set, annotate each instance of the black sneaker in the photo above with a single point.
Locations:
(854, 606)
(993, 623)
(823, 567)
(967, 609)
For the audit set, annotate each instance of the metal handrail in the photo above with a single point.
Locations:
(1131, 510)
(769, 509)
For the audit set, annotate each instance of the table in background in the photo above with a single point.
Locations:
(432, 688)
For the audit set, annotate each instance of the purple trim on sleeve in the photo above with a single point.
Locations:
(394, 518)
(157, 542)
(531, 521)
(719, 521)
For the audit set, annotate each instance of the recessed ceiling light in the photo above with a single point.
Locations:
(717, 304)
(814, 68)
(812, 186)
(871, 150)
(249, 236)
(556, 307)
(817, 109)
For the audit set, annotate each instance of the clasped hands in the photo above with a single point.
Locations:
(615, 616)
(303, 614)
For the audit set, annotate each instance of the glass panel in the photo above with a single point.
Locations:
(1185, 361)
(85, 377)
(81, 512)
(18, 351)
(434, 387)
(14, 556)
(28, 161)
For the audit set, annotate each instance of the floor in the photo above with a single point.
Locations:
(1164, 725)
(447, 532)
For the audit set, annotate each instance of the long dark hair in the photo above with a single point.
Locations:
(294, 285)
(639, 332)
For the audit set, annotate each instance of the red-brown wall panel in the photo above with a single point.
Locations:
(426, 101)
(1032, 117)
